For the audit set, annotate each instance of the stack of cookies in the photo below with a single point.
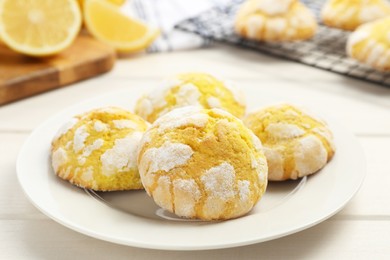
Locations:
(290, 20)
(192, 147)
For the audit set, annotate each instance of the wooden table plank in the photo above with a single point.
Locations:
(21, 239)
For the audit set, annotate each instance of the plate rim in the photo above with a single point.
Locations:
(74, 226)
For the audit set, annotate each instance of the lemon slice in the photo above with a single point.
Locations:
(106, 23)
(39, 27)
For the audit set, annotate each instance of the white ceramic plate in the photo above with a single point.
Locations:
(132, 218)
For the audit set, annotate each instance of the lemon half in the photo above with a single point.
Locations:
(39, 27)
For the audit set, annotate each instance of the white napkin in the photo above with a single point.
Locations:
(165, 14)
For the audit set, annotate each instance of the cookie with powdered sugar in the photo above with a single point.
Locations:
(295, 142)
(370, 44)
(275, 21)
(350, 14)
(203, 164)
(98, 149)
(191, 89)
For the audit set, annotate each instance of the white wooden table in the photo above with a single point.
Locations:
(360, 231)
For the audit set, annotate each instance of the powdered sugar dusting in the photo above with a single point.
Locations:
(307, 18)
(87, 174)
(197, 120)
(94, 146)
(325, 133)
(375, 54)
(262, 170)
(276, 25)
(144, 107)
(188, 95)
(148, 179)
(89, 149)
(254, 24)
(221, 112)
(146, 138)
(256, 142)
(99, 126)
(284, 130)
(122, 156)
(219, 181)
(186, 194)
(66, 127)
(68, 145)
(224, 127)
(162, 194)
(122, 124)
(273, 7)
(294, 22)
(178, 113)
(219, 185)
(254, 162)
(243, 190)
(80, 135)
(384, 59)
(59, 157)
(65, 174)
(81, 160)
(356, 37)
(134, 140)
(310, 156)
(154, 100)
(213, 102)
(291, 113)
(372, 12)
(170, 120)
(157, 96)
(181, 118)
(76, 172)
(275, 163)
(166, 157)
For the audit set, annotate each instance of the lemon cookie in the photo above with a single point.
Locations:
(202, 163)
(191, 89)
(295, 143)
(370, 44)
(97, 150)
(349, 14)
(269, 20)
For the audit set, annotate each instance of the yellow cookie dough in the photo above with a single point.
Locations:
(370, 44)
(98, 150)
(269, 20)
(349, 14)
(202, 163)
(191, 89)
(295, 143)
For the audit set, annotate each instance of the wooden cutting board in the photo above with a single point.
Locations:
(22, 76)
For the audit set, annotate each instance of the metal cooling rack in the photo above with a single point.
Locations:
(325, 51)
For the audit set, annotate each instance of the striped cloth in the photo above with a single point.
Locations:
(165, 14)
